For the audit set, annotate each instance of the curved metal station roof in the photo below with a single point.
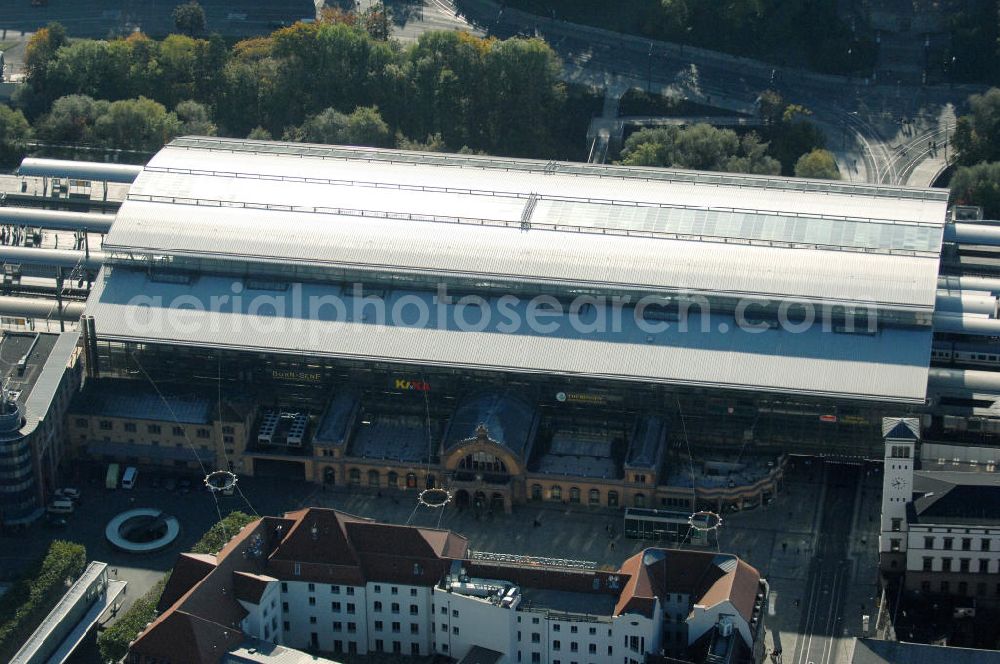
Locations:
(530, 221)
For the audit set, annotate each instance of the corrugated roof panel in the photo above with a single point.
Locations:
(889, 366)
(509, 253)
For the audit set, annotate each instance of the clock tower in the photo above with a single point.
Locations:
(901, 436)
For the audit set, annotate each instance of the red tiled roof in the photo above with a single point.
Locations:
(189, 569)
(708, 578)
(182, 638)
(250, 587)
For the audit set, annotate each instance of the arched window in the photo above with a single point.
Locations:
(373, 478)
(612, 499)
(555, 492)
(355, 476)
(574, 495)
(640, 500)
(392, 480)
(483, 461)
(536, 491)
(411, 481)
(594, 497)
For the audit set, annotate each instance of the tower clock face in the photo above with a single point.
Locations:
(897, 483)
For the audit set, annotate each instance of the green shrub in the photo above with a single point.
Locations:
(31, 598)
(113, 642)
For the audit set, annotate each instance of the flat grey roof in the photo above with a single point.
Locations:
(567, 601)
(888, 366)
(529, 221)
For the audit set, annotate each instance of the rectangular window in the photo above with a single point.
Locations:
(928, 542)
(413, 609)
(352, 628)
(378, 625)
(948, 542)
(350, 608)
(178, 431)
(338, 626)
(894, 544)
(414, 628)
(966, 544)
(312, 587)
(928, 564)
(984, 566)
(897, 525)
(413, 592)
(335, 607)
(946, 565)
(984, 544)
(350, 590)
(378, 588)
(335, 590)
(284, 606)
(395, 628)
(454, 630)
(536, 637)
(963, 565)
(556, 645)
(284, 587)
(203, 433)
(297, 569)
(130, 427)
(105, 425)
(312, 601)
(395, 607)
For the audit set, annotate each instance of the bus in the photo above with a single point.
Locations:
(128, 479)
(664, 526)
(111, 480)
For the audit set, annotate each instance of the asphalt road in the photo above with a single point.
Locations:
(830, 571)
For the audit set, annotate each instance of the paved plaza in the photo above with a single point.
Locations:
(779, 539)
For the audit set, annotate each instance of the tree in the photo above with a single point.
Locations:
(817, 164)
(701, 147)
(978, 185)
(195, 119)
(376, 21)
(42, 49)
(189, 18)
(137, 124)
(259, 134)
(14, 131)
(977, 135)
(71, 120)
(362, 127)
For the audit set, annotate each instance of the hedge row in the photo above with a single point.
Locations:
(113, 642)
(31, 598)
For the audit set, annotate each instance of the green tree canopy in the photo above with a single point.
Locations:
(818, 163)
(71, 120)
(195, 119)
(700, 147)
(362, 127)
(14, 131)
(977, 135)
(189, 18)
(137, 124)
(978, 185)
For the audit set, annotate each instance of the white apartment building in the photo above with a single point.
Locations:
(322, 581)
(940, 524)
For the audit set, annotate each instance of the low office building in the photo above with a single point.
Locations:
(941, 516)
(117, 421)
(327, 582)
(41, 374)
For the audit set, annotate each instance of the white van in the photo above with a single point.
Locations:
(61, 506)
(128, 479)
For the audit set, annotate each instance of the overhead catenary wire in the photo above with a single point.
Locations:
(225, 455)
(173, 416)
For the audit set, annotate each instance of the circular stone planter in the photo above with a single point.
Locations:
(114, 531)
